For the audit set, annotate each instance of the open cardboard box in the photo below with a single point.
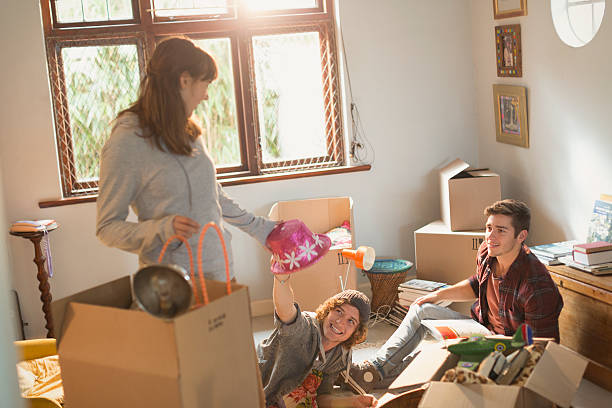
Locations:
(555, 379)
(465, 193)
(114, 356)
(313, 285)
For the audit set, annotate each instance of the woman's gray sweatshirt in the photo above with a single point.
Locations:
(159, 185)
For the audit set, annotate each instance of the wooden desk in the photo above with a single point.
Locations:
(585, 323)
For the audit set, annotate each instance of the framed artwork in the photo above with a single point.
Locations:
(510, 105)
(508, 50)
(509, 8)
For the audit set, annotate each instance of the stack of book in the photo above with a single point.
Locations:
(33, 225)
(593, 257)
(397, 314)
(549, 254)
(408, 292)
(413, 289)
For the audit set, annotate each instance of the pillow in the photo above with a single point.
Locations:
(41, 378)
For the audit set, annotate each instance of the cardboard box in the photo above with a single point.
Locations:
(429, 364)
(555, 379)
(313, 285)
(112, 356)
(446, 256)
(465, 193)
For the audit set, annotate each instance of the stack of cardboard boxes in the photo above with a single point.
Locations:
(446, 249)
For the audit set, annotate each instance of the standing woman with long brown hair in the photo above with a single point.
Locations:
(155, 162)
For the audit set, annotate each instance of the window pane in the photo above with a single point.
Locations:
(100, 81)
(76, 11)
(95, 10)
(266, 5)
(218, 114)
(290, 96)
(178, 8)
(120, 9)
(581, 18)
(69, 11)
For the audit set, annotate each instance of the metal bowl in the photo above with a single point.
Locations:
(163, 291)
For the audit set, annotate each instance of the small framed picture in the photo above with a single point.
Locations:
(509, 8)
(508, 50)
(510, 105)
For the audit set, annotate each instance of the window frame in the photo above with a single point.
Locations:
(145, 30)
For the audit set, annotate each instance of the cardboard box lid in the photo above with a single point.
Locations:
(452, 169)
(117, 293)
(457, 166)
(483, 173)
(429, 364)
(557, 375)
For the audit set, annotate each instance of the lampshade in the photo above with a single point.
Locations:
(163, 290)
(363, 257)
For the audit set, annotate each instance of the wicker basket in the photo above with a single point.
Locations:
(385, 276)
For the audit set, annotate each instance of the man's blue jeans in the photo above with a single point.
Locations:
(391, 359)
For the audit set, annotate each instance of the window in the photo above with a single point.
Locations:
(275, 107)
(577, 21)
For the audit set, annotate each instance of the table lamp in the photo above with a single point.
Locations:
(363, 256)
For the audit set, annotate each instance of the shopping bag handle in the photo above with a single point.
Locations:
(200, 273)
(225, 257)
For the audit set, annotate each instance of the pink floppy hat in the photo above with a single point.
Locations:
(295, 247)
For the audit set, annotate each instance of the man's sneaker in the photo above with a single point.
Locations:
(365, 375)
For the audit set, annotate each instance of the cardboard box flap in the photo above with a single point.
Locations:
(482, 173)
(429, 364)
(117, 293)
(125, 339)
(446, 394)
(452, 169)
(320, 214)
(558, 374)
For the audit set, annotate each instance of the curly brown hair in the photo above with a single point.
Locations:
(326, 307)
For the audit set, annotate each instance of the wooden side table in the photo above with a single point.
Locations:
(585, 323)
(42, 275)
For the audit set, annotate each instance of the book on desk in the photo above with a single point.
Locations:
(598, 269)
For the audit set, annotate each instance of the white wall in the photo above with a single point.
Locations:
(8, 374)
(412, 80)
(569, 161)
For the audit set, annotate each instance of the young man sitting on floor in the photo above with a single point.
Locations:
(301, 359)
(510, 287)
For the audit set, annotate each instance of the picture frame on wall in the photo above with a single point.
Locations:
(508, 51)
(509, 8)
(511, 122)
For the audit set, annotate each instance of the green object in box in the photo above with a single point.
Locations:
(390, 266)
